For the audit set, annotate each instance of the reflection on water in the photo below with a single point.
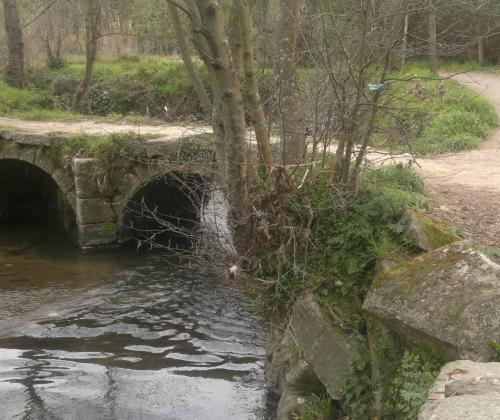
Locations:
(121, 336)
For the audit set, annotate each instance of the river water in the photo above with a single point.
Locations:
(121, 336)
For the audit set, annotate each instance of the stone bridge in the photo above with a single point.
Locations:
(99, 186)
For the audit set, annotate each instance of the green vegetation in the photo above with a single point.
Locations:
(409, 387)
(349, 233)
(496, 348)
(106, 148)
(320, 407)
(357, 396)
(493, 253)
(134, 87)
(435, 116)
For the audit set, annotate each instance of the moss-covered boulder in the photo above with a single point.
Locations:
(448, 299)
(427, 233)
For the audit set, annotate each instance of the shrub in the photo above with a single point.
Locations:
(409, 387)
(346, 234)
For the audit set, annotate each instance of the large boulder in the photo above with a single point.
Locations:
(288, 375)
(427, 233)
(464, 390)
(324, 344)
(448, 299)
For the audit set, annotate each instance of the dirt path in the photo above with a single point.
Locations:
(468, 183)
(166, 132)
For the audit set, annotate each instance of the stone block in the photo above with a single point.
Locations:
(129, 184)
(448, 299)
(65, 182)
(84, 166)
(27, 155)
(464, 390)
(94, 210)
(327, 348)
(102, 234)
(119, 204)
(87, 187)
(45, 162)
(10, 150)
(427, 233)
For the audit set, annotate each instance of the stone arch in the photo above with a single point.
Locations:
(54, 186)
(173, 195)
(40, 159)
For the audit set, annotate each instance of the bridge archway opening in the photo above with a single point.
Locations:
(29, 196)
(165, 212)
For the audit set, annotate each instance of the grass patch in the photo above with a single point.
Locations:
(435, 116)
(320, 407)
(134, 90)
(106, 149)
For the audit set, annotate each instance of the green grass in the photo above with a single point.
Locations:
(139, 86)
(437, 116)
(319, 407)
(128, 89)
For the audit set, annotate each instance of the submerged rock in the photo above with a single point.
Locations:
(464, 390)
(324, 344)
(426, 233)
(448, 299)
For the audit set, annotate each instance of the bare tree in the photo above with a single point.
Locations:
(433, 53)
(210, 37)
(292, 120)
(92, 34)
(255, 104)
(14, 72)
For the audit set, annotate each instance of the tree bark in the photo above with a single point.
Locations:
(254, 100)
(292, 137)
(404, 47)
(233, 117)
(433, 57)
(14, 72)
(480, 51)
(92, 23)
(235, 35)
(206, 104)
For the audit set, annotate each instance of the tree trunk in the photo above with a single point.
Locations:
(255, 104)
(92, 22)
(233, 117)
(234, 35)
(404, 47)
(433, 57)
(480, 51)
(292, 120)
(206, 104)
(14, 72)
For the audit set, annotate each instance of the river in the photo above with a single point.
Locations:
(121, 335)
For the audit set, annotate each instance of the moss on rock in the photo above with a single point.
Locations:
(427, 233)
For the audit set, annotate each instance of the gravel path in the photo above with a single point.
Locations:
(468, 183)
(92, 128)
